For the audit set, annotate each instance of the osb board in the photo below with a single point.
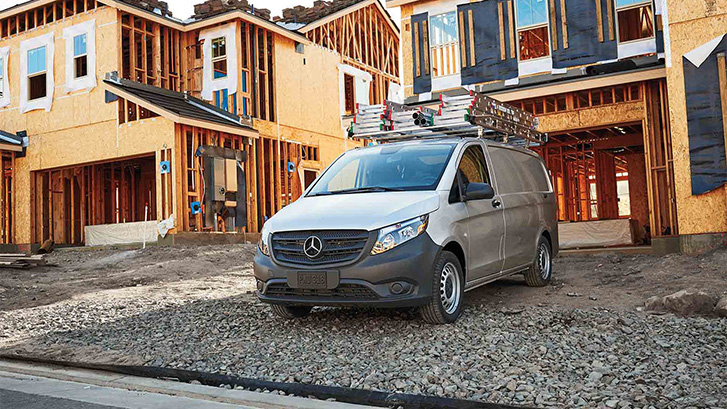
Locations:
(69, 110)
(593, 117)
(686, 10)
(306, 87)
(705, 213)
(406, 49)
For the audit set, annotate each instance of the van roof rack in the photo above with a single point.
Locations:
(472, 115)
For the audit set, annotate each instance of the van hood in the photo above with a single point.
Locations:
(354, 211)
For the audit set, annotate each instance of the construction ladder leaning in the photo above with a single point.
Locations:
(470, 115)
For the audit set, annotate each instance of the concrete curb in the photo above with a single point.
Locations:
(247, 399)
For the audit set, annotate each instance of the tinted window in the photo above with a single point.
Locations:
(518, 172)
(472, 167)
(399, 167)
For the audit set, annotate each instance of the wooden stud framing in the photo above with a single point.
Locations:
(553, 26)
(511, 23)
(564, 23)
(610, 18)
(501, 19)
(462, 42)
(473, 52)
(722, 67)
(599, 20)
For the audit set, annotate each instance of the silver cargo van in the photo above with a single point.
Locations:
(411, 224)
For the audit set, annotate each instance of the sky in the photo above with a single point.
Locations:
(185, 8)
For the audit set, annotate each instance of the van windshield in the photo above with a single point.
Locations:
(386, 168)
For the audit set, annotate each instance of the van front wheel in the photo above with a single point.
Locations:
(540, 272)
(445, 305)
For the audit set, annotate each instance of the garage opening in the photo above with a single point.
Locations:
(69, 199)
(601, 175)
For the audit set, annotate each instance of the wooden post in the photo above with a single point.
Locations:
(722, 67)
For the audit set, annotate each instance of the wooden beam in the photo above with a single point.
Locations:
(511, 22)
(501, 20)
(722, 67)
(564, 23)
(599, 20)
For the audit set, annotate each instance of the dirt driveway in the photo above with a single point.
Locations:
(605, 280)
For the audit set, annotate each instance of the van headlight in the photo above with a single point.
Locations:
(400, 233)
(263, 245)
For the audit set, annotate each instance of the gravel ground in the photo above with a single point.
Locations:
(525, 352)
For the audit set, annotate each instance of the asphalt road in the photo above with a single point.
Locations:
(18, 400)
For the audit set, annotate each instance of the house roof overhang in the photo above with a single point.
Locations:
(179, 107)
(10, 142)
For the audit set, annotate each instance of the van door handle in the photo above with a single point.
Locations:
(496, 204)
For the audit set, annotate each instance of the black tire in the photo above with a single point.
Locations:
(538, 275)
(434, 312)
(290, 312)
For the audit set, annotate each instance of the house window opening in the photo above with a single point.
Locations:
(635, 20)
(219, 57)
(444, 44)
(37, 72)
(80, 56)
(532, 29)
(349, 91)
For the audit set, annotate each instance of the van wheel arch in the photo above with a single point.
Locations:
(548, 237)
(456, 249)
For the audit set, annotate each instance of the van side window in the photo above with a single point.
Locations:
(472, 169)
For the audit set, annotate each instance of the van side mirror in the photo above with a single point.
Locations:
(479, 191)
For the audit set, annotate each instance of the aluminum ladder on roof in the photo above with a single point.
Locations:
(470, 115)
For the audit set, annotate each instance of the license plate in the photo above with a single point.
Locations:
(316, 280)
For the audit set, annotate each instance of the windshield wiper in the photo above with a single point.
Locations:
(367, 189)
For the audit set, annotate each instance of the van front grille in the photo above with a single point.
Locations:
(338, 246)
(343, 291)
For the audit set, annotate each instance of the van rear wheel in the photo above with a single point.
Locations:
(445, 305)
(541, 271)
(290, 311)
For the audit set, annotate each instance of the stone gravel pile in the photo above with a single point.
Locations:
(536, 356)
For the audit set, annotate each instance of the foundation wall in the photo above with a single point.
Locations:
(691, 24)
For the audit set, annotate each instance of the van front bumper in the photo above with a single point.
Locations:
(401, 277)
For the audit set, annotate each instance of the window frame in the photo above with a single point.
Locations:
(76, 57)
(531, 27)
(215, 60)
(642, 3)
(458, 180)
(455, 43)
(2, 76)
(43, 72)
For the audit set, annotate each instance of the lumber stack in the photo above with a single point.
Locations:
(21, 261)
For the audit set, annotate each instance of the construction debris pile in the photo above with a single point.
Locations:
(319, 10)
(21, 261)
(214, 7)
(155, 6)
(474, 114)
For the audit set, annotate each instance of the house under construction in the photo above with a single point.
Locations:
(632, 95)
(116, 116)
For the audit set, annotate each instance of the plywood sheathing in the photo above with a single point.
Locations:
(691, 24)
(593, 117)
(78, 120)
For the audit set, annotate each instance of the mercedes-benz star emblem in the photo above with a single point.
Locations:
(312, 247)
